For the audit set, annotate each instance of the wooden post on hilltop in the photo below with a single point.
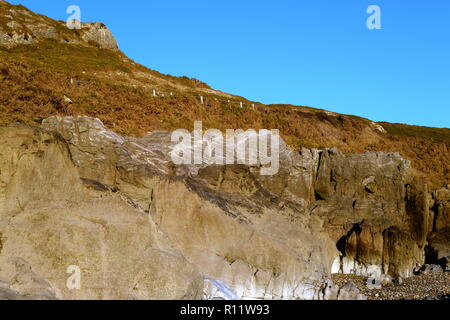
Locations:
(154, 92)
(201, 99)
(241, 105)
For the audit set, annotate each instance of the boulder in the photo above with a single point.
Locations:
(350, 292)
(374, 284)
(24, 27)
(385, 279)
(432, 269)
(330, 291)
(99, 34)
(51, 220)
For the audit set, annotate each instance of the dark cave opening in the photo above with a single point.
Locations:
(432, 257)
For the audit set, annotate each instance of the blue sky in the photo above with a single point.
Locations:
(306, 52)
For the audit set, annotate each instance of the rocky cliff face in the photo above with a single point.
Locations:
(76, 193)
(19, 26)
(50, 220)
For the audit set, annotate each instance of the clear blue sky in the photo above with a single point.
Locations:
(307, 52)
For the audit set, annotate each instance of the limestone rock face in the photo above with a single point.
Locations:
(439, 238)
(139, 227)
(23, 27)
(134, 165)
(100, 34)
(350, 292)
(268, 237)
(442, 219)
(51, 220)
(233, 231)
(120, 254)
(258, 250)
(42, 30)
(362, 199)
(14, 38)
(30, 159)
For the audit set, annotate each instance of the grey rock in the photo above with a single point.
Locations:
(385, 279)
(14, 38)
(13, 25)
(50, 220)
(432, 269)
(442, 219)
(266, 237)
(325, 186)
(350, 292)
(25, 27)
(330, 290)
(373, 284)
(100, 34)
(42, 30)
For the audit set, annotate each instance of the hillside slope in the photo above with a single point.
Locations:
(42, 68)
(107, 199)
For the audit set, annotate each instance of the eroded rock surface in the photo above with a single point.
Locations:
(438, 251)
(277, 236)
(20, 26)
(140, 227)
(50, 220)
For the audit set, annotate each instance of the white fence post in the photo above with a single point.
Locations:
(201, 99)
(241, 105)
(154, 92)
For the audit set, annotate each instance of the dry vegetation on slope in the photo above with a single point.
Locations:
(35, 78)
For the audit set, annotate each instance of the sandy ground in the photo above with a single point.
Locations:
(417, 288)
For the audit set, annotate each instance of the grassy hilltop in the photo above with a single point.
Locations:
(35, 79)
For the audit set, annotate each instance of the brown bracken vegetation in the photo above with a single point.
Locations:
(106, 84)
